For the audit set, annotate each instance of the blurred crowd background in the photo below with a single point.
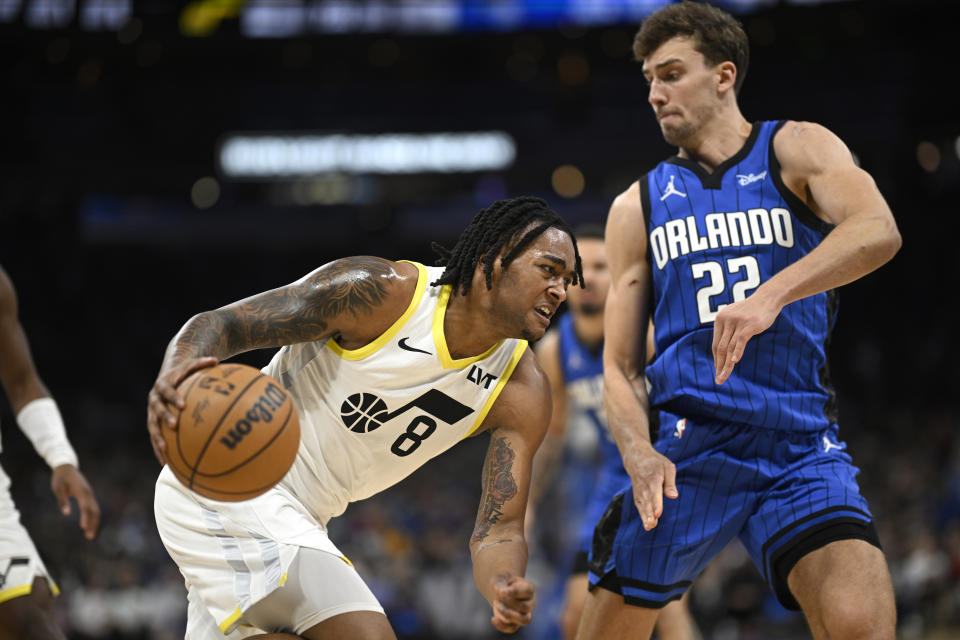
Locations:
(158, 159)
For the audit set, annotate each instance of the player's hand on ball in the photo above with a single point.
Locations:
(164, 395)
(652, 476)
(514, 600)
(67, 482)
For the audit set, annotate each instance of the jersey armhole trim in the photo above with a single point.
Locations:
(644, 183)
(645, 209)
(386, 336)
(16, 592)
(27, 589)
(501, 383)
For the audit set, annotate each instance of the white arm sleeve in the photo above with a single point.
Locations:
(40, 420)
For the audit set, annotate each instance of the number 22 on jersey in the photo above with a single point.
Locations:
(713, 273)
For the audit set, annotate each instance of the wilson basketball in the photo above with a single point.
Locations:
(236, 437)
(363, 412)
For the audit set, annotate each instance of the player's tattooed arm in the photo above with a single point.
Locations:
(318, 306)
(497, 546)
(516, 424)
(499, 486)
(353, 298)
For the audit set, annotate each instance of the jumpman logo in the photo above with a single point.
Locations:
(671, 190)
(827, 445)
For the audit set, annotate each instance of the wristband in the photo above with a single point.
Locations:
(41, 422)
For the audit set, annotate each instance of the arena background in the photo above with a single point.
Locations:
(118, 221)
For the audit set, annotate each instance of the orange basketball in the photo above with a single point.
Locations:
(236, 437)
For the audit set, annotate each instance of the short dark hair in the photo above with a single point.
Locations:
(491, 230)
(717, 35)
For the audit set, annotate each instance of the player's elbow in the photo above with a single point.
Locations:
(877, 240)
(894, 240)
(888, 240)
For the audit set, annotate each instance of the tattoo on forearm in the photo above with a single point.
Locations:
(200, 336)
(493, 544)
(297, 313)
(499, 486)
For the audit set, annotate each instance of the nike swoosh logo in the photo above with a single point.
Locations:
(403, 345)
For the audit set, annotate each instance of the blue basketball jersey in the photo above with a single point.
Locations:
(712, 240)
(583, 376)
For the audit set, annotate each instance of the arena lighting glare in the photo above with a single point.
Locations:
(275, 156)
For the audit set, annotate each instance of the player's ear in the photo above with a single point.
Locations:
(725, 77)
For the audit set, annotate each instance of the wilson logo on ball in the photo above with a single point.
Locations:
(237, 435)
(262, 410)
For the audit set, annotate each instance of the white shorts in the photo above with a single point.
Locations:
(19, 561)
(234, 554)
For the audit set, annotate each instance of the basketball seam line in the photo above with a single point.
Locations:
(213, 433)
(180, 415)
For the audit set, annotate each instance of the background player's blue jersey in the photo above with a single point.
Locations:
(583, 375)
(712, 240)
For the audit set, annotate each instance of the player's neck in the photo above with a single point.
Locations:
(718, 140)
(469, 326)
(589, 329)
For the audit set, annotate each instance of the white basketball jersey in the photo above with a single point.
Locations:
(371, 416)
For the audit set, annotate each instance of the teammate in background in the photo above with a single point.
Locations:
(736, 246)
(571, 356)
(445, 349)
(26, 588)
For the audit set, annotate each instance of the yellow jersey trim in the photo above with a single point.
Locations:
(16, 592)
(386, 336)
(26, 589)
(514, 360)
(347, 560)
(440, 340)
(283, 579)
(233, 617)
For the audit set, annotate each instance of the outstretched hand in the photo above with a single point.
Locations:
(652, 476)
(734, 326)
(67, 482)
(164, 395)
(514, 600)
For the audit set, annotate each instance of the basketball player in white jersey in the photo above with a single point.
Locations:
(26, 588)
(389, 364)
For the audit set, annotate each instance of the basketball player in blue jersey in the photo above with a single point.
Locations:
(448, 345)
(736, 246)
(26, 589)
(571, 356)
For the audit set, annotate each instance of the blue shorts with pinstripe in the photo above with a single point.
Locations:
(783, 494)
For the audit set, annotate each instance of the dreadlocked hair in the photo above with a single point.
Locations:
(490, 231)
